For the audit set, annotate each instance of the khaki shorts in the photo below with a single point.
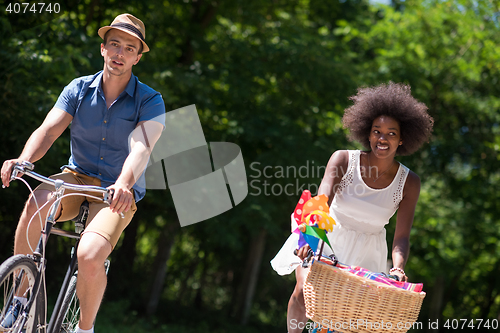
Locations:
(100, 220)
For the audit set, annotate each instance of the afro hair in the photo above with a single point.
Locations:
(393, 100)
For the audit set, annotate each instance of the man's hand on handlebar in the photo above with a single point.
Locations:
(6, 172)
(122, 198)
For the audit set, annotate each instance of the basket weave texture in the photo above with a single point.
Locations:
(345, 302)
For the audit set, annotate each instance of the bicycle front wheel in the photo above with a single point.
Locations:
(70, 309)
(17, 278)
(68, 317)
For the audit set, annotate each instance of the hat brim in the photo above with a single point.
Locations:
(102, 32)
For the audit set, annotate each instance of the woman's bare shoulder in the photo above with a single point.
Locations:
(412, 185)
(340, 158)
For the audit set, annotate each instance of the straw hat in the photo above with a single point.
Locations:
(129, 24)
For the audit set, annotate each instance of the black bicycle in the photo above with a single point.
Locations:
(24, 275)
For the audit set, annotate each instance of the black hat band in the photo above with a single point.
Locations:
(129, 27)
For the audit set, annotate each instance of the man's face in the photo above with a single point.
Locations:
(120, 52)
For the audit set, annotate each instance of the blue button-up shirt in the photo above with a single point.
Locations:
(99, 136)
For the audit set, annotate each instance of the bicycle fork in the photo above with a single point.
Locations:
(67, 278)
(39, 258)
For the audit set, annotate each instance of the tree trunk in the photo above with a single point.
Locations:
(200, 22)
(437, 300)
(246, 291)
(492, 293)
(165, 243)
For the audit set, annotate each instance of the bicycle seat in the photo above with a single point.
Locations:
(80, 223)
(81, 219)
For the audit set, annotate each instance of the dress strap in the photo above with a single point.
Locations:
(398, 193)
(348, 177)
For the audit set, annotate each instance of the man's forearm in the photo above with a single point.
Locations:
(134, 166)
(37, 146)
(143, 139)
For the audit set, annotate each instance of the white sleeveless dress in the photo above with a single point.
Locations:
(361, 212)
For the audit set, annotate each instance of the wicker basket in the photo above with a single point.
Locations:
(345, 302)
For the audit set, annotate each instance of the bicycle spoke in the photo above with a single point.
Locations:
(8, 296)
(17, 278)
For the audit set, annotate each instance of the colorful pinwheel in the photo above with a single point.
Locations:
(312, 220)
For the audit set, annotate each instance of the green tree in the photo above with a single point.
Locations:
(448, 52)
(274, 78)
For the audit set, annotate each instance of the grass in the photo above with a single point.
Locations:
(116, 317)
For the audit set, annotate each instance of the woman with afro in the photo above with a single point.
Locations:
(365, 188)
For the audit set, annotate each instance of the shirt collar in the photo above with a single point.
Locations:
(129, 89)
(97, 81)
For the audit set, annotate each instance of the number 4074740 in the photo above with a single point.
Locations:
(479, 324)
(33, 8)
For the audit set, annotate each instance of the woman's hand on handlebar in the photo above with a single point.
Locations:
(303, 252)
(402, 277)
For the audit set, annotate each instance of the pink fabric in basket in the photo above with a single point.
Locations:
(379, 277)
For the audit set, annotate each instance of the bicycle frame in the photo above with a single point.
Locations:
(39, 253)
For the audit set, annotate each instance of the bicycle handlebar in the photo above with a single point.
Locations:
(305, 261)
(27, 168)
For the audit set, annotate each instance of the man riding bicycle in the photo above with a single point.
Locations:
(103, 109)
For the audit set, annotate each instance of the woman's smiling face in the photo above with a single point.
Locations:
(385, 136)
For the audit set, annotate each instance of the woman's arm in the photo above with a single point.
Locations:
(404, 221)
(335, 170)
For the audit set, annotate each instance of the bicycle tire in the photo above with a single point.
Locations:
(70, 309)
(24, 268)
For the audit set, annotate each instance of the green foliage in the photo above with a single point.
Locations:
(447, 51)
(274, 78)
